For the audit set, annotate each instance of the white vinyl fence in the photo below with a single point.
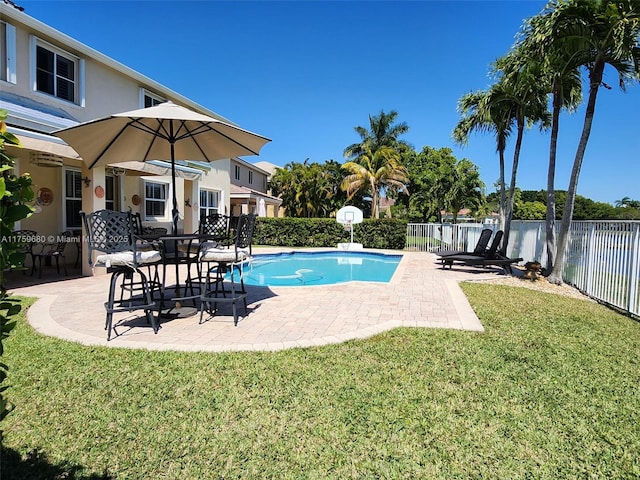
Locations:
(602, 260)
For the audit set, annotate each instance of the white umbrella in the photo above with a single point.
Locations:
(262, 209)
(163, 132)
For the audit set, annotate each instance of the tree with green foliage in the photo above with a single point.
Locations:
(382, 132)
(440, 182)
(480, 112)
(15, 194)
(596, 34)
(467, 189)
(530, 211)
(379, 156)
(523, 98)
(373, 172)
(627, 202)
(309, 189)
(559, 75)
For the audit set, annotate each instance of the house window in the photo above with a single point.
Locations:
(151, 99)
(208, 202)
(110, 197)
(250, 177)
(155, 200)
(7, 52)
(56, 73)
(237, 172)
(72, 199)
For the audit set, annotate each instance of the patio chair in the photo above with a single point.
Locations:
(51, 251)
(111, 235)
(480, 248)
(226, 260)
(493, 257)
(213, 228)
(148, 233)
(26, 241)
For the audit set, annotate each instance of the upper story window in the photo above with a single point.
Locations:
(7, 52)
(57, 72)
(150, 99)
(236, 174)
(250, 177)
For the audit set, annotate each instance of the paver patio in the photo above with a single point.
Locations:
(420, 294)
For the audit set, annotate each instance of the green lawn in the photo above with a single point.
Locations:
(551, 390)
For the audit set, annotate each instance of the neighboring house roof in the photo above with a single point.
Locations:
(250, 165)
(268, 167)
(386, 202)
(237, 191)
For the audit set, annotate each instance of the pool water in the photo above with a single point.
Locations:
(320, 268)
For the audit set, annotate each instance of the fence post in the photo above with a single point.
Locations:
(590, 258)
(634, 266)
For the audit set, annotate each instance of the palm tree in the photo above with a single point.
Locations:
(560, 75)
(309, 189)
(480, 113)
(596, 34)
(523, 99)
(374, 171)
(383, 133)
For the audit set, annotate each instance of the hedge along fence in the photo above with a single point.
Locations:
(326, 232)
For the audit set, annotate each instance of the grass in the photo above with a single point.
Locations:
(549, 391)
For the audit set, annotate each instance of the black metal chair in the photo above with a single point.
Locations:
(111, 235)
(26, 240)
(53, 251)
(213, 228)
(226, 259)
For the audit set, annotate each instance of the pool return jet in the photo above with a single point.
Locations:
(348, 216)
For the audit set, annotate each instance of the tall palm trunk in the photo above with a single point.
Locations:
(567, 215)
(551, 175)
(374, 200)
(512, 186)
(503, 196)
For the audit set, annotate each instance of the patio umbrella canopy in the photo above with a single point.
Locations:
(163, 132)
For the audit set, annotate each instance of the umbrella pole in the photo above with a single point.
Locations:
(174, 212)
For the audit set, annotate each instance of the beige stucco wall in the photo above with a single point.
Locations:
(106, 91)
(259, 178)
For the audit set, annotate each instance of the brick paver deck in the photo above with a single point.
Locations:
(420, 294)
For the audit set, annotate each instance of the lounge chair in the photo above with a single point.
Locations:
(491, 258)
(480, 248)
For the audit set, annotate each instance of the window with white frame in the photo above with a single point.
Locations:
(208, 202)
(150, 99)
(72, 198)
(250, 177)
(155, 200)
(237, 172)
(7, 52)
(111, 193)
(57, 72)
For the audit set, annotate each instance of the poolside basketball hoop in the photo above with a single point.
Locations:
(348, 216)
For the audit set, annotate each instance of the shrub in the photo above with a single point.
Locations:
(326, 232)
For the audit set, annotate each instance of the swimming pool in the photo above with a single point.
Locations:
(319, 268)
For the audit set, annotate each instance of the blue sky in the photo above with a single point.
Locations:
(305, 73)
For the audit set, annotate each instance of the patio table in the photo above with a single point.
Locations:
(173, 255)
